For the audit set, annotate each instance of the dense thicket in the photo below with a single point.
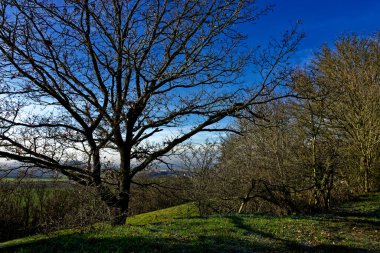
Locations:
(312, 150)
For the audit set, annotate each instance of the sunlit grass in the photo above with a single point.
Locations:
(354, 228)
(165, 215)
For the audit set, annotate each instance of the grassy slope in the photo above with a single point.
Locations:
(353, 228)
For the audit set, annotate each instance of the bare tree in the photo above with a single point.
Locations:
(81, 79)
(321, 142)
(350, 72)
(261, 165)
(199, 162)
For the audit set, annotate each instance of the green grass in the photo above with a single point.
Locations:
(353, 228)
(165, 215)
(368, 205)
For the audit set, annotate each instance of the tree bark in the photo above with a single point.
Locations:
(366, 179)
(242, 205)
(120, 213)
(364, 164)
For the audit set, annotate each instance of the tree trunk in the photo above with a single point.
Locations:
(366, 179)
(242, 205)
(247, 198)
(119, 215)
(329, 186)
(120, 212)
(317, 188)
(364, 164)
(118, 204)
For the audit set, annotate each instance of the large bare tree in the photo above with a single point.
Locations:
(83, 78)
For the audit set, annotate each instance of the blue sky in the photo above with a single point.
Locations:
(323, 21)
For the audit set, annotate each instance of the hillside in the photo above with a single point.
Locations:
(355, 227)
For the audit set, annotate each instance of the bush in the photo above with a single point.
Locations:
(40, 207)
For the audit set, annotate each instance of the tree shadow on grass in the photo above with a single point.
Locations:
(81, 243)
(286, 245)
(372, 214)
(370, 205)
(367, 217)
(251, 240)
(348, 218)
(76, 243)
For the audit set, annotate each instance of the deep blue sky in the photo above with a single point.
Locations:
(323, 21)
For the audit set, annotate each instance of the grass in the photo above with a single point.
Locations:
(353, 228)
(365, 205)
(165, 215)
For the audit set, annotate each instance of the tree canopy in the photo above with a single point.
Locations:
(81, 79)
